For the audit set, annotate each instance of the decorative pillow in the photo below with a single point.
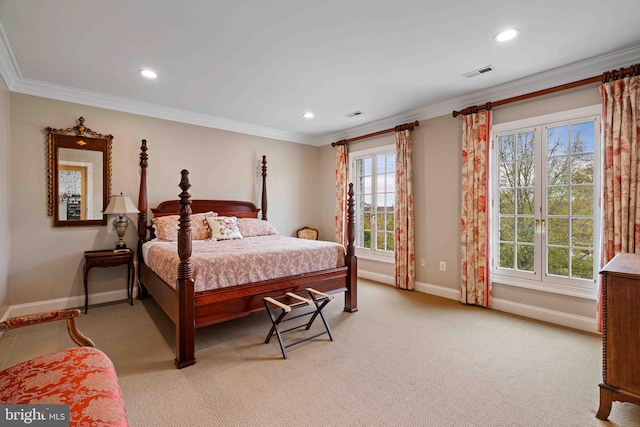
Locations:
(224, 227)
(250, 227)
(167, 227)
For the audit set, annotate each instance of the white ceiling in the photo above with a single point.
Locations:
(256, 66)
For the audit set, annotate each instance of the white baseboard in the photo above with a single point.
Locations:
(69, 302)
(377, 277)
(440, 291)
(552, 316)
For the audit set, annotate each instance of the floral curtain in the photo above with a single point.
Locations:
(621, 206)
(341, 195)
(621, 192)
(405, 271)
(475, 284)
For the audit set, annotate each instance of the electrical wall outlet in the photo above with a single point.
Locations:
(443, 266)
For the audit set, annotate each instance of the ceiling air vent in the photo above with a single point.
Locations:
(355, 113)
(478, 71)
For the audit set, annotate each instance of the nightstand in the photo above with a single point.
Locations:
(109, 258)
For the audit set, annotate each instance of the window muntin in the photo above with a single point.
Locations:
(516, 201)
(570, 202)
(545, 214)
(373, 174)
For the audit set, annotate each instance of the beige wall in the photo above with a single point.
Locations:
(46, 263)
(436, 161)
(436, 165)
(5, 170)
(226, 165)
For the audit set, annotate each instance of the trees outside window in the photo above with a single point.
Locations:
(373, 175)
(545, 205)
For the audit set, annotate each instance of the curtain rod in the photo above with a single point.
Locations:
(398, 128)
(605, 77)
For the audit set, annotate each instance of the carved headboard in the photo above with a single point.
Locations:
(237, 208)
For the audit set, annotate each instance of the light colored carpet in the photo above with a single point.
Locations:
(405, 359)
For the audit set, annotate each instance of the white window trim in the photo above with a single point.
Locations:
(380, 257)
(548, 118)
(371, 254)
(590, 293)
(562, 289)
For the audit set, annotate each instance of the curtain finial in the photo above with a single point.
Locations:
(341, 142)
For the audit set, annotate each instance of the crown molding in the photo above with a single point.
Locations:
(558, 76)
(94, 99)
(10, 71)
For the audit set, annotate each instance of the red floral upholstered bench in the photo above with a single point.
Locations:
(82, 377)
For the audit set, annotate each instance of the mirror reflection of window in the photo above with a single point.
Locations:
(72, 188)
(79, 184)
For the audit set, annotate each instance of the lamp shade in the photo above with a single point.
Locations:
(119, 205)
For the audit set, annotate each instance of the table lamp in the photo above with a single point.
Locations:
(121, 205)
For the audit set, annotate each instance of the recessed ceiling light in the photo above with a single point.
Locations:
(507, 34)
(308, 115)
(149, 74)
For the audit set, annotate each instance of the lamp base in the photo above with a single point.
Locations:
(120, 225)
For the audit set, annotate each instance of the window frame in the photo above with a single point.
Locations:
(373, 253)
(582, 288)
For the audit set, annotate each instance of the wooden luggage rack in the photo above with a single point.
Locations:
(290, 302)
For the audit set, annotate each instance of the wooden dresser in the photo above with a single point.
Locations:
(620, 332)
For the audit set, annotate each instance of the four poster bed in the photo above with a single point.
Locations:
(184, 293)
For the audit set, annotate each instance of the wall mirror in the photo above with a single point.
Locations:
(79, 175)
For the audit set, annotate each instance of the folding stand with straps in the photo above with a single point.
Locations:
(289, 302)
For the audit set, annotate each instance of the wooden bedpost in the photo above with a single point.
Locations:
(264, 188)
(185, 325)
(142, 216)
(351, 295)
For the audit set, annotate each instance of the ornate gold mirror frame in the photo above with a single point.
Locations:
(79, 186)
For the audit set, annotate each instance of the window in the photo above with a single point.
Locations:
(373, 175)
(545, 203)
